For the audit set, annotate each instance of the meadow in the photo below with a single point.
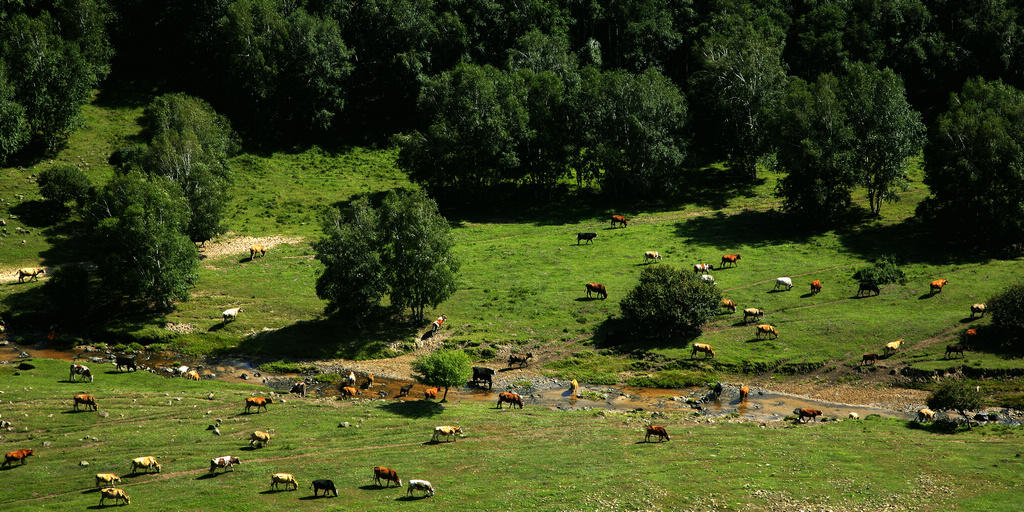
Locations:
(532, 458)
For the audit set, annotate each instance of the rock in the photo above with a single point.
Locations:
(104, 414)
(83, 463)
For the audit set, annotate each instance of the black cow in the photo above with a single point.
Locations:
(325, 485)
(589, 237)
(405, 390)
(128, 363)
(868, 286)
(483, 374)
(519, 359)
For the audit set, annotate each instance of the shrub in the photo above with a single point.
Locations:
(64, 183)
(957, 396)
(286, 367)
(882, 271)
(1007, 310)
(445, 368)
(673, 379)
(668, 301)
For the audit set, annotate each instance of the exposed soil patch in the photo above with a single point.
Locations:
(228, 244)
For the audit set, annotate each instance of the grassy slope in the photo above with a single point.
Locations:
(510, 460)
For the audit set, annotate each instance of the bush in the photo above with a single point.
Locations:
(883, 271)
(668, 301)
(957, 396)
(64, 183)
(1007, 310)
(673, 379)
(445, 368)
(286, 367)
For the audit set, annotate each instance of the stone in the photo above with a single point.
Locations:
(104, 414)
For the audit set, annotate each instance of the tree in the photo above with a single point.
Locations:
(14, 126)
(668, 302)
(974, 164)
(63, 183)
(887, 130)
(353, 279)
(70, 294)
(445, 368)
(957, 396)
(1007, 310)
(139, 242)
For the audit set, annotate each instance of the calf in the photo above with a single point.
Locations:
(145, 463)
(323, 485)
(87, 400)
(116, 494)
(420, 485)
(729, 304)
(257, 402)
(654, 430)
(619, 219)
(483, 374)
(755, 313)
(388, 475)
(16, 456)
(868, 358)
(79, 369)
(519, 359)
(651, 256)
(977, 309)
(107, 479)
(125, 362)
(404, 391)
(936, 285)
(598, 289)
(729, 258)
(781, 282)
(285, 479)
(512, 398)
(954, 349)
(446, 431)
(806, 413)
(767, 330)
(259, 437)
(868, 286)
(815, 286)
(430, 393)
(702, 347)
(589, 237)
(226, 462)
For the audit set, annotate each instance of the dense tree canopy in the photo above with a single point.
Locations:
(957, 396)
(669, 302)
(444, 368)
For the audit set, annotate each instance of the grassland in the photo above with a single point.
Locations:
(509, 460)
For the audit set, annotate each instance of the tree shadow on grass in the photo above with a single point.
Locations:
(748, 228)
(38, 213)
(414, 408)
(327, 337)
(911, 241)
(614, 333)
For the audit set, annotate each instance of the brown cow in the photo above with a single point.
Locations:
(868, 358)
(619, 219)
(257, 249)
(806, 413)
(744, 393)
(87, 400)
(16, 455)
(729, 304)
(936, 285)
(116, 494)
(430, 393)
(387, 474)
(349, 392)
(654, 430)
(752, 312)
(729, 258)
(598, 289)
(767, 330)
(704, 348)
(257, 402)
(512, 398)
(815, 286)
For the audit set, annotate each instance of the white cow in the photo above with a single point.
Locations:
(652, 256)
(420, 485)
(230, 314)
(784, 281)
(708, 278)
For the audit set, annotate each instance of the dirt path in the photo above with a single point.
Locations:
(228, 244)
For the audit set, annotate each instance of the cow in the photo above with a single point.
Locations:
(806, 413)
(145, 463)
(436, 324)
(619, 219)
(767, 330)
(431, 393)
(299, 388)
(868, 358)
(954, 349)
(729, 304)
(597, 288)
(116, 494)
(702, 347)
(756, 313)
(574, 388)
(977, 309)
(815, 287)
(323, 485)
(259, 437)
(483, 374)
(226, 461)
(786, 282)
(230, 314)
(854, 416)
(351, 379)
(969, 334)
(446, 431)
(655, 430)
(651, 256)
(404, 391)
(717, 390)
(589, 237)
(125, 362)
(893, 346)
(88, 401)
(702, 268)
(349, 392)
(387, 474)
(925, 414)
(79, 369)
(257, 402)
(744, 393)
(708, 278)
(868, 286)
(107, 479)
(512, 398)
(369, 381)
(520, 359)
(257, 249)
(16, 455)
(285, 479)
(936, 285)
(420, 485)
(729, 258)
(192, 375)
(32, 273)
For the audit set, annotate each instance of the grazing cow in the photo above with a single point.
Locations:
(702, 268)
(619, 219)
(708, 278)
(598, 289)
(16, 455)
(446, 431)
(729, 304)
(404, 391)
(868, 358)
(744, 393)
(925, 414)
(349, 392)
(806, 413)
(519, 359)
(420, 485)
(783, 281)
(259, 437)
(230, 314)
(227, 462)
(299, 388)
(285, 479)
(512, 398)
(893, 346)
(717, 390)
(767, 330)
(387, 474)
(31, 273)
(369, 381)
(431, 393)
(936, 285)
(192, 375)
(756, 313)
(589, 237)
(88, 401)
(79, 369)
(323, 485)
(651, 256)
(351, 379)
(107, 479)
(868, 286)
(574, 387)
(483, 374)
(257, 402)
(436, 324)
(702, 347)
(116, 494)
(128, 363)
(815, 286)
(977, 309)
(729, 258)
(655, 430)
(954, 349)
(145, 463)
(257, 249)
(854, 416)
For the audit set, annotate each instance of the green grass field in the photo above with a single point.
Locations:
(508, 460)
